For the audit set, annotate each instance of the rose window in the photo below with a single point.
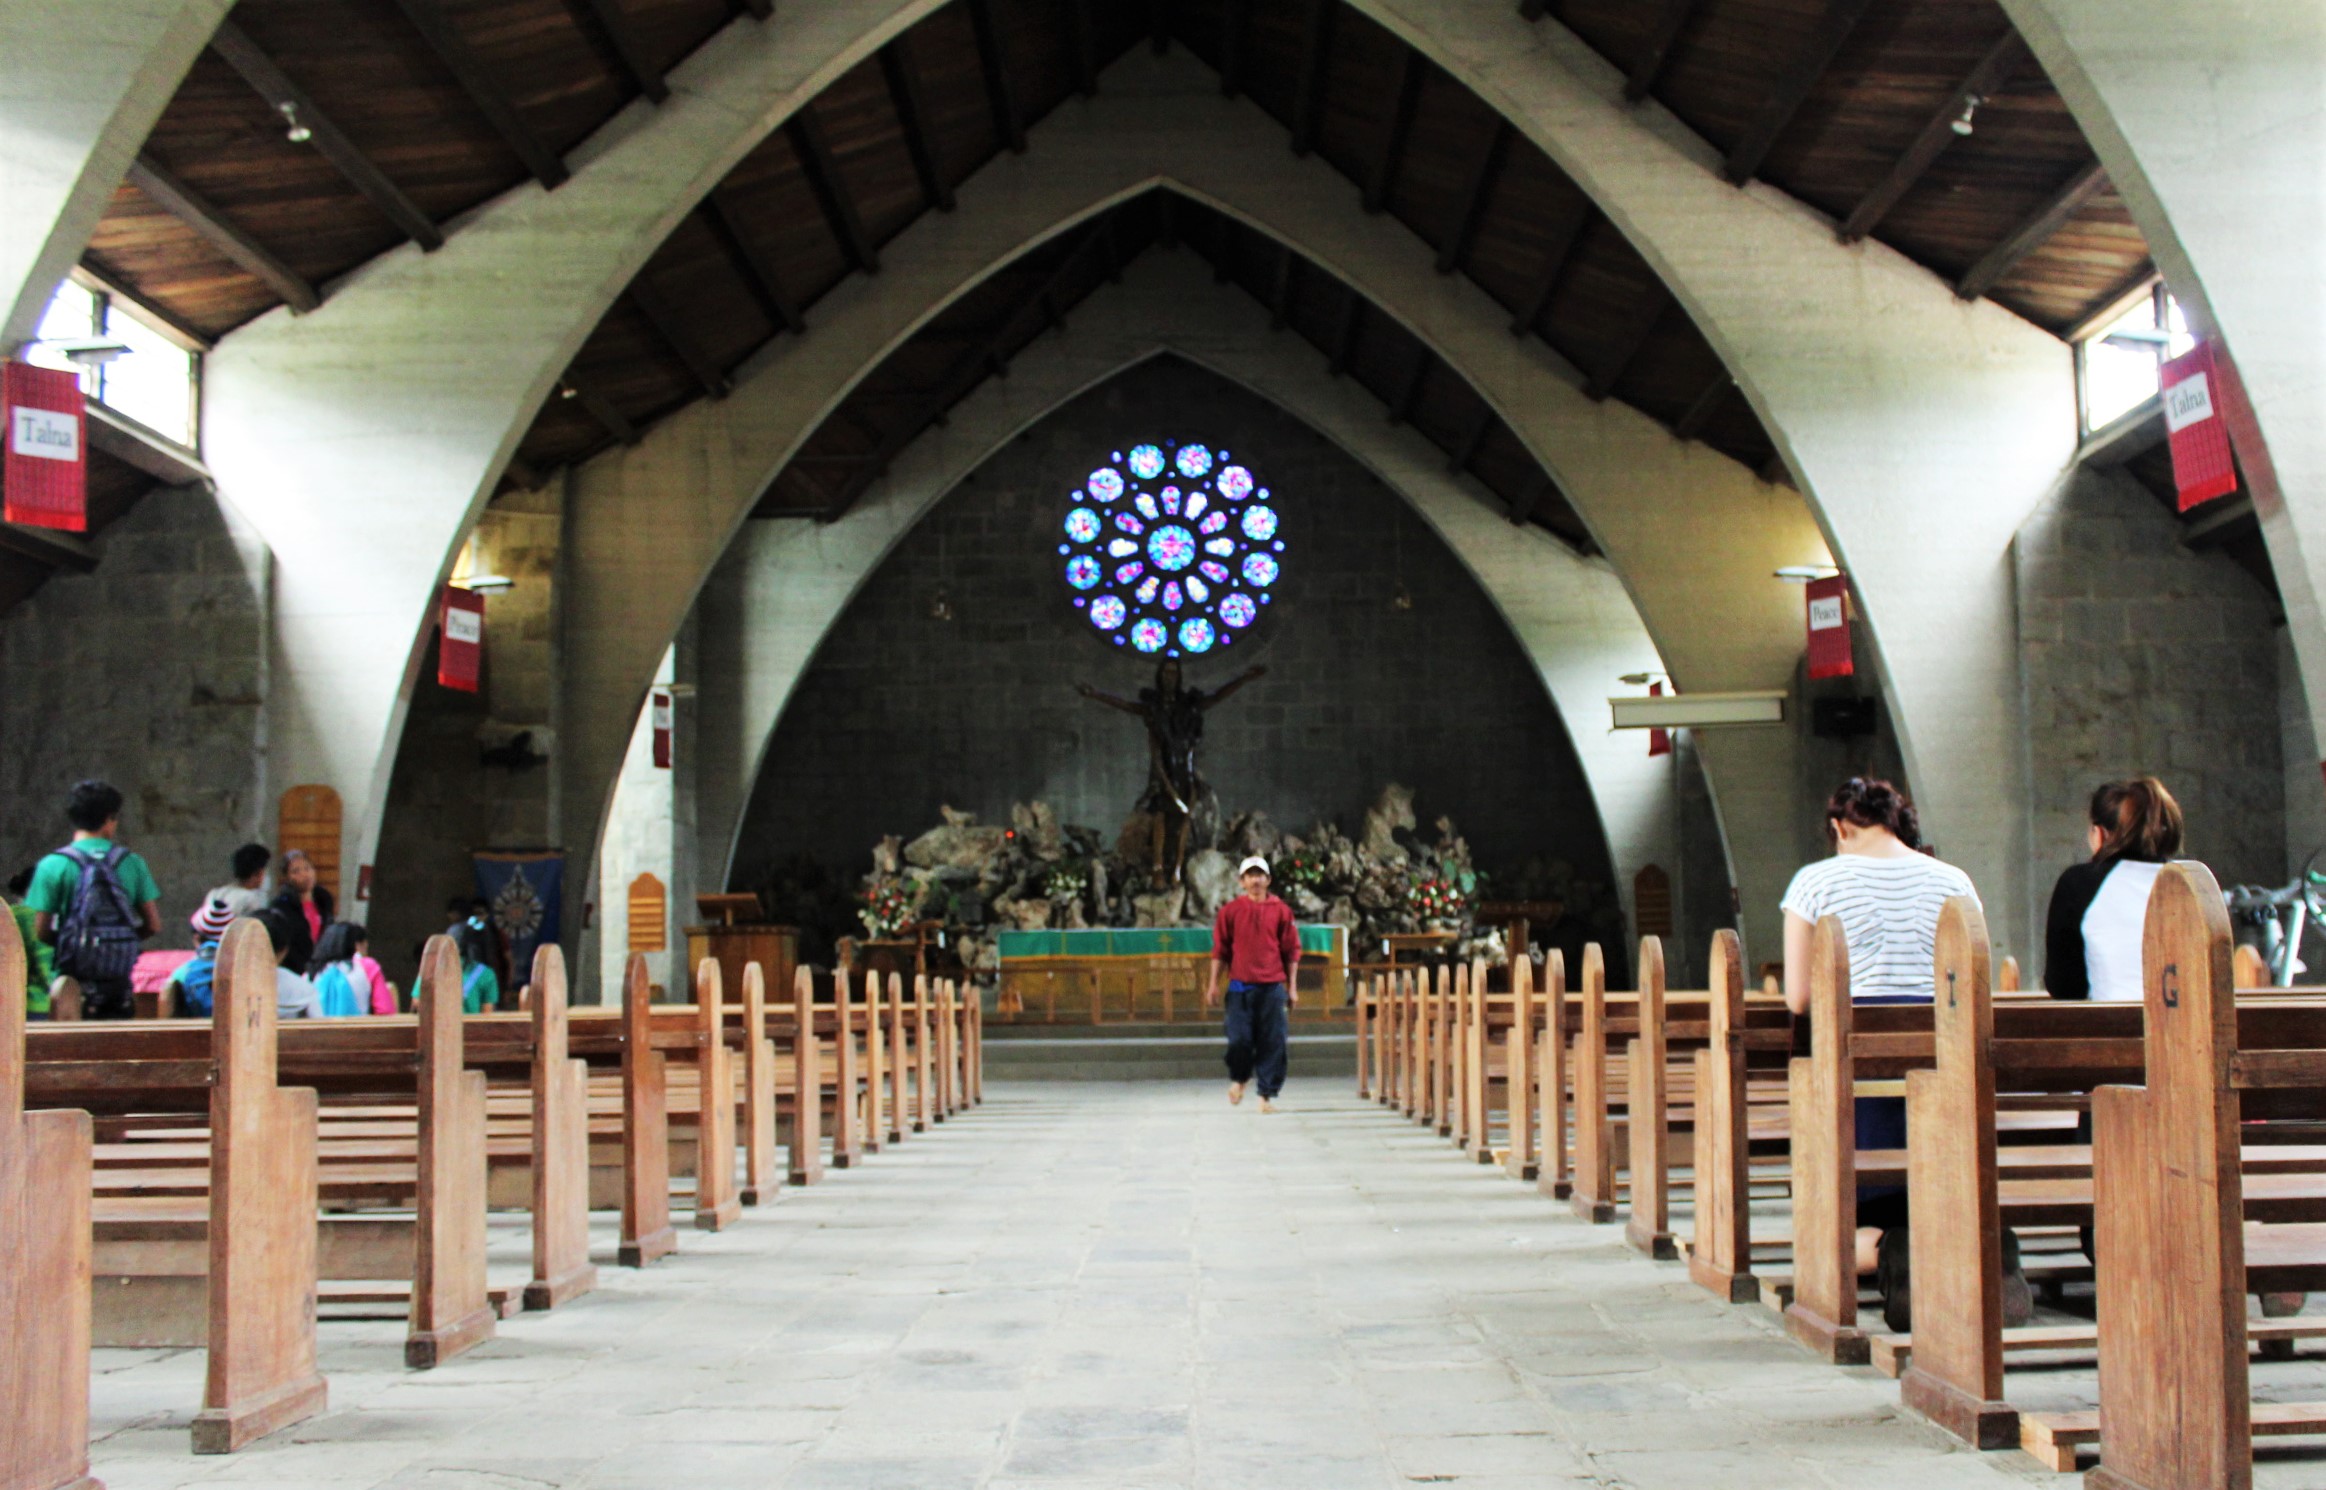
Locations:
(1171, 549)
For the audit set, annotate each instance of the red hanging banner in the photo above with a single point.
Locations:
(47, 462)
(661, 708)
(2193, 402)
(460, 654)
(1659, 740)
(1829, 653)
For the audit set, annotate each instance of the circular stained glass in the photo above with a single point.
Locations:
(1190, 523)
(1172, 547)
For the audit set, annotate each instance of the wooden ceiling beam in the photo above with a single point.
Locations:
(1394, 130)
(1235, 19)
(1459, 458)
(1790, 89)
(1085, 49)
(614, 25)
(195, 211)
(1280, 292)
(1938, 132)
(1564, 235)
(483, 89)
(986, 357)
(1345, 335)
(2033, 232)
(1159, 25)
(1409, 392)
(1316, 44)
(1649, 316)
(291, 101)
(1648, 66)
(1223, 250)
(1530, 497)
(808, 141)
(1007, 117)
(599, 407)
(659, 314)
(904, 91)
(758, 10)
(1704, 405)
(756, 268)
(1457, 246)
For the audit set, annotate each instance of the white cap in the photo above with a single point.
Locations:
(1252, 863)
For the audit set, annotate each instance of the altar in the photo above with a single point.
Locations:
(1147, 975)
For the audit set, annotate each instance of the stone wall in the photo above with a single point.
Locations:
(2143, 657)
(151, 673)
(906, 709)
(443, 801)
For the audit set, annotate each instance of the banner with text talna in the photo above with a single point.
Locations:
(2193, 403)
(45, 475)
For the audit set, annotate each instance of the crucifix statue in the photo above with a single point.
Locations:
(1173, 715)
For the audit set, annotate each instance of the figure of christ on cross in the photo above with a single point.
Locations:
(1173, 714)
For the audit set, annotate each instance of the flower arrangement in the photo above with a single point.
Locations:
(1302, 867)
(889, 907)
(1437, 899)
(1066, 882)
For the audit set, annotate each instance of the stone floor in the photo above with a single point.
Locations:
(1101, 1285)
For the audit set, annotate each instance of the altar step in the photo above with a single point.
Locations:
(1147, 1052)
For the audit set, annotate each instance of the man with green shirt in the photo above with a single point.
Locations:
(94, 903)
(38, 970)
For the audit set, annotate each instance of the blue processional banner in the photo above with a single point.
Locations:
(526, 892)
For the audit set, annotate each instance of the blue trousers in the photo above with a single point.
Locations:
(1258, 1023)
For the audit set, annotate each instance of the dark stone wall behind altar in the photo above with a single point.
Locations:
(901, 712)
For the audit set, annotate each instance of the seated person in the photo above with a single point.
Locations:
(344, 988)
(193, 985)
(295, 997)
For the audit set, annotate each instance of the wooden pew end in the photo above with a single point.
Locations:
(1982, 1424)
(223, 1430)
(548, 1293)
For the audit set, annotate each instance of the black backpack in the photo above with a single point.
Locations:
(97, 940)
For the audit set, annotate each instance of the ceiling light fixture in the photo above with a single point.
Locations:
(1971, 102)
(297, 134)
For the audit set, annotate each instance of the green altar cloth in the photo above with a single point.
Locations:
(1144, 941)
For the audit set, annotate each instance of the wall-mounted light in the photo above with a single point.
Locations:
(488, 584)
(1642, 680)
(940, 606)
(1801, 574)
(1401, 599)
(86, 351)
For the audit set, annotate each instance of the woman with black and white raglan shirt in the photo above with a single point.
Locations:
(1887, 890)
(2091, 942)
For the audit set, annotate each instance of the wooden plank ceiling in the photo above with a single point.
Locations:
(418, 110)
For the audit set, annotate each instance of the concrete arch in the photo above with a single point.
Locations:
(2214, 134)
(1923, 430)
(783, 585)
(647, 523)
(362, 439)
(80, 101)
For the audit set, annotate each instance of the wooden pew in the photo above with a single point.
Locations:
(44, 1268)
(1648, 1131)
(1520, 1042)
(760, 1178)
(807, 1146)
(1592, 1195)
(647, 1233)
(450, 1312)
(560, 1145)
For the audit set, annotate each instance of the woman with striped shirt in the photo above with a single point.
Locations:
(1887, 890)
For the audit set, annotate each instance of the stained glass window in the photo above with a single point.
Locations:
(1172, 548)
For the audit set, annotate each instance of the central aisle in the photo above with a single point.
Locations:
(1104, 1286)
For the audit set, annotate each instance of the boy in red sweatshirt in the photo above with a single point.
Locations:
(1254, 939)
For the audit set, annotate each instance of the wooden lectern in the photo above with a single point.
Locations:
(733, 936)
